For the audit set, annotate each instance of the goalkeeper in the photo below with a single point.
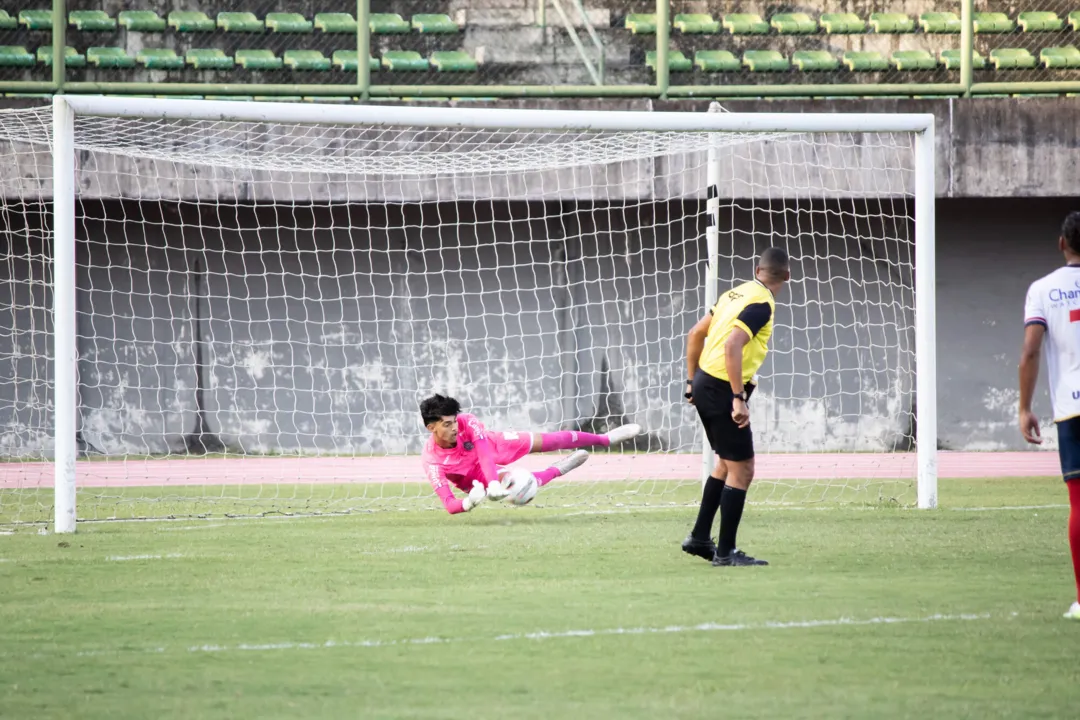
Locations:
(462, 453)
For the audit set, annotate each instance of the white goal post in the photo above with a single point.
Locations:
(511, 139)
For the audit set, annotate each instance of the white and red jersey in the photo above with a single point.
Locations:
(1054, 302)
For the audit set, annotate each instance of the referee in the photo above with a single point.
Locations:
(723, 352)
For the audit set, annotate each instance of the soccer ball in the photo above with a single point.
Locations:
(522, 486)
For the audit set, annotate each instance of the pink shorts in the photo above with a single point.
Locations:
(510, 446)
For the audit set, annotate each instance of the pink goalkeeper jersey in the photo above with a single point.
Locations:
(475, 457)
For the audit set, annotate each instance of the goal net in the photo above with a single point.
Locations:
(261, 305)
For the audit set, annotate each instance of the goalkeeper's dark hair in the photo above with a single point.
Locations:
(1070, 230)
(436, 407)
(775, 262)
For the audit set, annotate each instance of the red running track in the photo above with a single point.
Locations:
(601, 467)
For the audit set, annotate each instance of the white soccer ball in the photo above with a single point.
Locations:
(522, 486)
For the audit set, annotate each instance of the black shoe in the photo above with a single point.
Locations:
(737, 557)
(705, 549)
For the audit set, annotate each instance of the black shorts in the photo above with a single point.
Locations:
(1069, 448)
(713, 399)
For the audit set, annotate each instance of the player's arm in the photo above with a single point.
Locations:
(485, 454)
(1030, 355)
(695, 344)
(752, 318)
(454, 505)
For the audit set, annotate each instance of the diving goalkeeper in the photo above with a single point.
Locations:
(462, 453)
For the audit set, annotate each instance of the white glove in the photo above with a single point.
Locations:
(476, 496)
(496, 491)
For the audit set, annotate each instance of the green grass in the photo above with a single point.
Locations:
(86, 635)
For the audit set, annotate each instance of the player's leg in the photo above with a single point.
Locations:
(1069, 452)
(699, 542)
(715, 414)
(572, 439)
(736, 446)
(560, 468)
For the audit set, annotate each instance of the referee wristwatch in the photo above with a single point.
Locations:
(689, 389)
(739, 395)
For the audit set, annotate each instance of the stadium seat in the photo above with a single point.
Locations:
(814, 61)
(951, 60)
(109, 57)
(15, 56)
(141, 21)
(335, 23)
(913, 60)
(36, 19)
(842, 23)
(287, 22)
(864, 61)
(244, 22)
(408, 60)
(677, 62)
(72, 57)
(1074, 20)
(346, 60)
(453, 61)
(716, 61)
(1060, 57)
(208, 59)
(91, 21)
(765, 61)
(306, 60)
(257, 60)
(745, 24)
(1039, 22)
(191, 21)
(992, 22)
(7, 22)
(891, 23)
(940, 22)
(159, 59)
(434, 24)
(696, 24)
(794, 24)
(640, 23)
(387, 24)
(1012, 59)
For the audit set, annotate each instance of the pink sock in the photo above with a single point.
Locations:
(543, 477)
(570, 440)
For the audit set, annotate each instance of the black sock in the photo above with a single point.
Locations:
(710, 503)
(731, 507)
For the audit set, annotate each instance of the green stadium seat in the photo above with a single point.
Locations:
(191, 21)
(913, 60)
(640, 23)
(716, 61)
(1074, 20)
(745, 24)
(109, 57)
(244, 22)
(696, 24)
(992, 22)
(91, 21)
(794, 24)
(159, 59)
(864, 61)
(814, 61)
(346, 61)
(1060, 57)
(951, 60)
(453, 61)
(842, 23)
(1012, 59)
(72, 57)
(892, 23)
(388, 24)
(306, 60)
(7, 22)
(15, 56)
(765, 61)
(285, 22)
(257, 60)
(36, 19)
(677, 62)
(408, 60)
(141, 21)
(1039, 22)
(939, 22)
(430, 24)
(208, 59)
(335, 23)
(278, 98)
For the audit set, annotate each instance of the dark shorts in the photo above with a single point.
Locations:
(713, 399)
(1069, 447)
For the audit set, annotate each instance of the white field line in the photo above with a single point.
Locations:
(1010, 507)
(125, 558)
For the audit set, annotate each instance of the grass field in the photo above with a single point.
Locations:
(866, 612)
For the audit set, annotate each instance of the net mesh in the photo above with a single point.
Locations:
(261, 307)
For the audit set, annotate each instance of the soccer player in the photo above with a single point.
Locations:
(1051, 312)
(724, 351)
(461, 452)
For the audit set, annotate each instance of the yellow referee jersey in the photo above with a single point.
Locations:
(749, 306)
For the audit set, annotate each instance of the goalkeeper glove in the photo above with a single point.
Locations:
(476, 496)
(496, 491)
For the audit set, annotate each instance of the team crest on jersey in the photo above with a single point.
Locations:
(469, 445)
